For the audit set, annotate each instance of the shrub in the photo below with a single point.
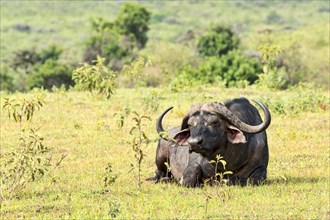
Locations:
(108, 177)
(6, 79)
(218, 42)
(49, 74)
(274, 79)
(273, 18)
(95, 77)
(27, 58)
(152, 100)
(234, 69)
(40, 69)
(231, 68)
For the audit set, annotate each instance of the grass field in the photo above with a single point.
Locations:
(85, 128)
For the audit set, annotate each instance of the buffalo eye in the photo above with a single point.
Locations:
(212, 121)
(192, 122)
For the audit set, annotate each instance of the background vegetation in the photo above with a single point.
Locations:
(169, 35)
(78, 130)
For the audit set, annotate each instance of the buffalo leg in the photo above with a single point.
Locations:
(258, 177)
(192, 176)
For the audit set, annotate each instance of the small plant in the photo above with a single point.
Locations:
(136, 71)
(114, 209)
(96, 77)
(218, 178)
(26, 164)
(23, 109)
(108, 177)
(28, 161)
(139, 140)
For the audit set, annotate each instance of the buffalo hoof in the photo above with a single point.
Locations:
(154, 179)
(166, 179)
(160, 176)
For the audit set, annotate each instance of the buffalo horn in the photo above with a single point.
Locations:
(159, 126)
(227, 114)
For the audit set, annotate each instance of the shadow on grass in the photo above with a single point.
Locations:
(294, 179)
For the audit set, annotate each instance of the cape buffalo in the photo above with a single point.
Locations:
(233, 130)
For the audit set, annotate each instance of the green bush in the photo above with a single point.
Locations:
(6, 79)
(51, 73)
(233, 69)
(96, 77)
(218, 42)
(30, 160)
(33, 68)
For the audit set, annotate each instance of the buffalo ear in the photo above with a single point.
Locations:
(234, 135)
(181, 137)
(184, 123)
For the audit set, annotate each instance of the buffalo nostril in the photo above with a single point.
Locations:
(195, 141)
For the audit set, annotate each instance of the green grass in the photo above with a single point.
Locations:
(85, 128)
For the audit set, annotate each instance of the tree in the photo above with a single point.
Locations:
(132, 21)
(218, 42)
(117, 40)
